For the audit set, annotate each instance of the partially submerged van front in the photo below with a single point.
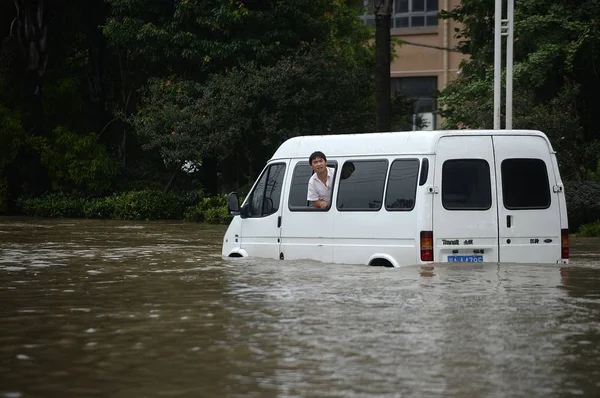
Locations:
(232, 240)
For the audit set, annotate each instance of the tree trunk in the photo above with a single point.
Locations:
(30, 29)
(96, 78)
(383, 118)
(210, 175)
(173, 175)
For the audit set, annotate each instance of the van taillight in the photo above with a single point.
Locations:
(426, 245)
(564, 243)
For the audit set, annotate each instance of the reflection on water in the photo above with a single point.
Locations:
(122, 309)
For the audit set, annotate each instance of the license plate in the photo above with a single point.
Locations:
(465, 259)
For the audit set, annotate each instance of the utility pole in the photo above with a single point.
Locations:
(503, 27)
(383, 102)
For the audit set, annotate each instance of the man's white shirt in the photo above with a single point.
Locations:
(319, 191)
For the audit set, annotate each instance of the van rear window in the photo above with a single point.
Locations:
(466, 184)
(402, 185)
(525, 184)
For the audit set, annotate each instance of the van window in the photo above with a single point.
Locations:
(266, 196)
(466, 185)
(299, 186)
(525, 184)
(363, 188)
(424, 172)
(402, 185)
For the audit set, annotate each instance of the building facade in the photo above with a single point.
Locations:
(427, 60)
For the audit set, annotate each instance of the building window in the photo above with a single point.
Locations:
(420, 89)
(406, 14)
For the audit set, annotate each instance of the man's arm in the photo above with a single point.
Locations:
(320, 204)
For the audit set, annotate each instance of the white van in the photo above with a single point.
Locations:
(413, 198)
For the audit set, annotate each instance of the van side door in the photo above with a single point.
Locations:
(261, 213)
(465, 215)
(306, 232)
(528, 209)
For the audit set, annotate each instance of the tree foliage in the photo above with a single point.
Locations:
(249, 110)
(555, 59)
(263, 72)
(73, 75)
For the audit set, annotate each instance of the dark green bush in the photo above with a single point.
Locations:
(56, 204)
(100, 207)
(146, 205)
(212, 210)
(136, 205)
(189, 198)
(583, 203)
(591, 229)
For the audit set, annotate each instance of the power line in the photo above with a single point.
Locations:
(410, 43)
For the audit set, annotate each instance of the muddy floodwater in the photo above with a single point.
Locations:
(94, 308)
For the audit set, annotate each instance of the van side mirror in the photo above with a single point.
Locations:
(233, 204)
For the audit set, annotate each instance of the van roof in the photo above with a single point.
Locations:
(405, 142)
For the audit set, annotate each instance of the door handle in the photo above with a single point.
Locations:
(508, 221)
(279, 222)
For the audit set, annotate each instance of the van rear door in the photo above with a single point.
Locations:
(528, 207)
(465, 214)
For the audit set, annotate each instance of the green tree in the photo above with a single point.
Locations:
(248, 111)
(215, 52)
(555, 53)
(54, 76)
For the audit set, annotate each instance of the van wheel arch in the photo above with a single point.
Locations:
(383, 260)
(238, 253)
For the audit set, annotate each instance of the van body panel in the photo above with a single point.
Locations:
(261, 236)
(529, 232)
(233, 238)
(426, 195)
(463, 230)
(305, 234)
(360, 235)
(562, 201)
(361, 251)
(403, 143)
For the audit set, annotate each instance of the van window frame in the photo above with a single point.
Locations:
(417, 184)
(385, 178)
(309, 207)
(424, 172)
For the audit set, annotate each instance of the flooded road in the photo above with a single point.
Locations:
(131, 309)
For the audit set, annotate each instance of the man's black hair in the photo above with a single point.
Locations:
(317, 154)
